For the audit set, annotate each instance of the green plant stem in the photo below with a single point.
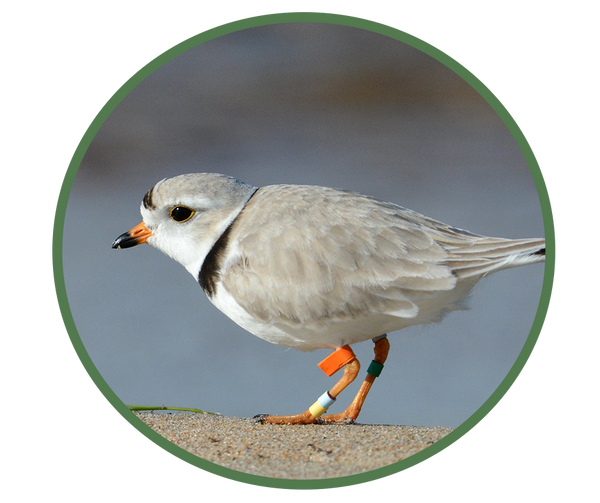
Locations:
(162, 407)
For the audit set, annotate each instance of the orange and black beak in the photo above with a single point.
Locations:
(136, 236)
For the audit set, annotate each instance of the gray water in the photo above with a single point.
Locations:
(306, 104)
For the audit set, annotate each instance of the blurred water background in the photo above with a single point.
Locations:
(312, 104)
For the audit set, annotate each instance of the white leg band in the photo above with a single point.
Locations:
(325, 400)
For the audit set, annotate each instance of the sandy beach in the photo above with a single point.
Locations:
(291, 452)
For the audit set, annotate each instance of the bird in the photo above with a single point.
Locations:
(312, 267)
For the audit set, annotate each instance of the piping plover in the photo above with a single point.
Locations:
(314, 267)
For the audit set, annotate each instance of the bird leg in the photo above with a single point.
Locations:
(351, 367)
(382, 347)
(313, 413)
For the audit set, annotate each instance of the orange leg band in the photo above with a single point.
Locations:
(337, 360)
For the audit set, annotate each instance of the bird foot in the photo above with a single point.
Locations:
(304, 418)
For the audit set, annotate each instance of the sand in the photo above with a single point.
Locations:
(291, 452)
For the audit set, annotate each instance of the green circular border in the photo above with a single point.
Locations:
(303, 18)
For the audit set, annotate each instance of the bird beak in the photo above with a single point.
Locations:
(136, 236)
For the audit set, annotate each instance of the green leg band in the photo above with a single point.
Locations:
(375, 368)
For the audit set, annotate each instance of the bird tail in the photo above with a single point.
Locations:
(486, 255)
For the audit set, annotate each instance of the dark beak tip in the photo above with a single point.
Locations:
(124, 241)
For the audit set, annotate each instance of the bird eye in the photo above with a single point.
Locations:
(181, 213)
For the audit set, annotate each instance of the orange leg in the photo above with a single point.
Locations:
(382, 347)
(350, 372)
(351, 369)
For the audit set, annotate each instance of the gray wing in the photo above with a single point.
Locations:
(318, 253)
(309, 253)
